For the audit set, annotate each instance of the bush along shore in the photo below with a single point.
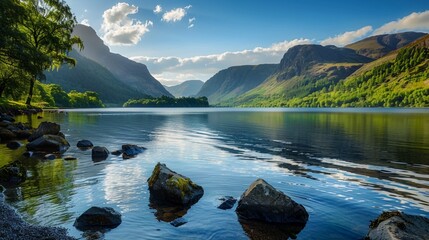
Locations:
(263, 211)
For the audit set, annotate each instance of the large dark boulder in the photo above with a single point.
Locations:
(49, 143)
(84, 144)
(45, 128)
(170, 188)
(12, 175)
(97, 218)
(99, 153)
(396, 225)
(262, 202)
(129, 150)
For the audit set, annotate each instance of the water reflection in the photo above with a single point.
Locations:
(340, 166)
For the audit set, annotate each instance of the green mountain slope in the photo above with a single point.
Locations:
(400, 79)
(232, 82)
(88, 75)
(186, 89)
(304, 69)
(381, 45)
(133, 74)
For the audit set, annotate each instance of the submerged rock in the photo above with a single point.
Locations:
(45, 128)
(228, 202)
(262, 202)
(99, 153)
(395, 225)
(49, 156)
(117, 152)
(178, 222)
(97, 218)
(13, 145)
(12, 175)
(6, 134)
(170, 188)
(130, 151)
(49, 143)
(84, 144)
(69, 158)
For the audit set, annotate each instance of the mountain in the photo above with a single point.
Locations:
(303, 69)
(133, 74)
(88, 75)
(232, 82)
(399, 79)
(378, 46)
(186, 89)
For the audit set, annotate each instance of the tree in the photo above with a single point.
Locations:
(48, 28)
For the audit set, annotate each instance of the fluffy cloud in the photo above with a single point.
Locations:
(412, 22)
(119, 29)
(347, 37)
(175, 15)
(158, 9)
(173, 70)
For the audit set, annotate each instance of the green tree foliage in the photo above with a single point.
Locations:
(87, 99)
(168, 102)
(48, 27)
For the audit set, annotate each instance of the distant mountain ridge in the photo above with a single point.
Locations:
(88, 75)
(234, 81)
(186, 89)
(133, 74)
(303, 69)
(379, 46)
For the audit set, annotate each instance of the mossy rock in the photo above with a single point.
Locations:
(170, 188)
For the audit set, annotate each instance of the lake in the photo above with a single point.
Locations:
(344, 165)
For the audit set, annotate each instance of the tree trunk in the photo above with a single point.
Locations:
(30, 92)
(2, 87)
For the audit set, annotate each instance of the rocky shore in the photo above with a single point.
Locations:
(12, 227)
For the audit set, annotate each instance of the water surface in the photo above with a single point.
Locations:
(344, 165)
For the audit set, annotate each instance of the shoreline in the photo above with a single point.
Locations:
(12, 226)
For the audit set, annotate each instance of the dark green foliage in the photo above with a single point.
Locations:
(87, 99)
(165, 101)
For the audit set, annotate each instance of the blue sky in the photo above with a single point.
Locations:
(193, 39)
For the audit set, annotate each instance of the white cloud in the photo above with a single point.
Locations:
(175, 14)
(85, 22)
(191, 22)
(119, 29)
(412, 22)
(347, 37)
(172, 70)
(158, 9)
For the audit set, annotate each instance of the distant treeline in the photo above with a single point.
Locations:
(168, 102)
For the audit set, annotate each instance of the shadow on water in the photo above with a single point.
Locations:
(269, 231)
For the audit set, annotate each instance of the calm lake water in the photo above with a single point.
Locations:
(344, 165)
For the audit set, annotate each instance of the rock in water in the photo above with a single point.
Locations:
(396, 225)
(13, 145)
(227, 202)
(99, 153)
(45, 128)
(49, 143)
(6, 134)
(12, 175)
(129, 150)
(262, 202)
(170, 188)
(84, 144)
(178, 222)
(97, 218)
